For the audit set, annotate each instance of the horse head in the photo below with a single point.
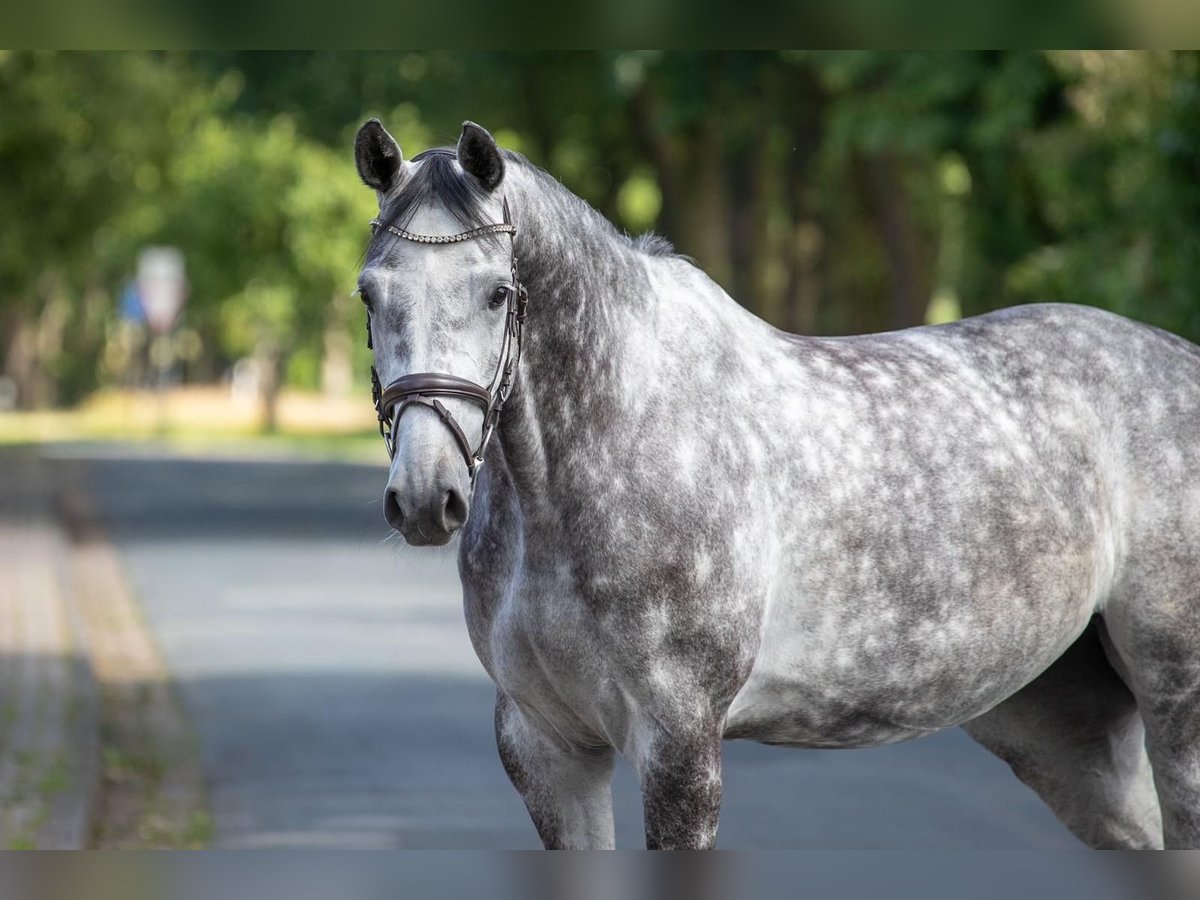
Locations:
(445, 316)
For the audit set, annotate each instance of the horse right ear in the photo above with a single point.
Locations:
(377, 156)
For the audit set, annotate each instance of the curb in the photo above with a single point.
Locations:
(150, 787)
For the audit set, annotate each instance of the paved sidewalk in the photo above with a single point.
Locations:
(48, 725)
(94, 751)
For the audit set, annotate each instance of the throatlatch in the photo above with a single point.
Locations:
(425, 387)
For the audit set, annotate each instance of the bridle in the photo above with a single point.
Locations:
(424, 388)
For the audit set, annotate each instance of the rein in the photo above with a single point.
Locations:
(424, 388)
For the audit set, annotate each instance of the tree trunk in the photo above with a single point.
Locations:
(20, 362)
(270, 376)
(644, 116)
(703, 229)
(690, 172)
(35, 344)
(803, 251)
(807, 249)
(750, 176)
(892, 215)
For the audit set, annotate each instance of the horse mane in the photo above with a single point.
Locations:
(439, 180)
(655, 245)
(648, 243)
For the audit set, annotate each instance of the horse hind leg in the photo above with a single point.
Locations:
(1074, 735)
(1157, 640)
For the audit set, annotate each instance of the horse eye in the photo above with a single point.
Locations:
(365, 298)
(500, 297)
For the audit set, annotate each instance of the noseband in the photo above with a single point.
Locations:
(424, 388)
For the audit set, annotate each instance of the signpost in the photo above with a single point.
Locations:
(162, 290)
(162, 286)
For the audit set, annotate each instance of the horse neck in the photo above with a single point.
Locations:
(588, 292)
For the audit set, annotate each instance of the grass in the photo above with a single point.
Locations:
(55, 779)
(38, 782)
(207, 421)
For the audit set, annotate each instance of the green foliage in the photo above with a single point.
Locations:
(101, 155)
(828, 190)
(83, 138)
(274, 224)
(1113, 192)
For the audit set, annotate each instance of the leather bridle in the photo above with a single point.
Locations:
(424, 388)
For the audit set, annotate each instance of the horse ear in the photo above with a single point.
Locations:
(479, 155)
(377, 156)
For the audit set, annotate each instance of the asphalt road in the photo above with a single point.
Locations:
(338, 702)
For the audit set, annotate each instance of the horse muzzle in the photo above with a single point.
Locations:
(428, 494)
(429, 524)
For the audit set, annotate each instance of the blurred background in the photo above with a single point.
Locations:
(207, 634)
(829, 192)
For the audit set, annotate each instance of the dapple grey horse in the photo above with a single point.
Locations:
(693, 527)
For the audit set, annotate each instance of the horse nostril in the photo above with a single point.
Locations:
(454, 511)
(392, 511)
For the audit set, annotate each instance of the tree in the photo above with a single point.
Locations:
(830, 191)
(84, 140)
(272, 226)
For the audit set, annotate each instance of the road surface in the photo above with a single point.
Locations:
(338, 702)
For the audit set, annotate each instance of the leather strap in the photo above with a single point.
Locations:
(456, 431)
(420, 387)
(435, 383)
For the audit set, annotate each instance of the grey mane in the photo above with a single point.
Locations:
(439, 181)
(653, 245)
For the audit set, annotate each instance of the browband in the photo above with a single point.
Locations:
(499, 228)
(504, 227)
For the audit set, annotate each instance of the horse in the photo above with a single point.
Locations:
(678, 525)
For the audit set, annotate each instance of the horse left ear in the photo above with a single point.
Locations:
(479, 155)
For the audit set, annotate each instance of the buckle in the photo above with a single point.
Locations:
(522, 303)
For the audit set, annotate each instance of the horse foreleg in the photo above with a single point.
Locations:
(680, 775)
(566, 788)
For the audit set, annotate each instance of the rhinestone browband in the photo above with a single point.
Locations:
(503, 228)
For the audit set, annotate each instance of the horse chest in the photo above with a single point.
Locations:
(537, 643)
